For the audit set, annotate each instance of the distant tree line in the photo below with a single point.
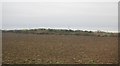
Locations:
(63, 32)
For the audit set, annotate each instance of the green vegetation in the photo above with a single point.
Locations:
(64, 32)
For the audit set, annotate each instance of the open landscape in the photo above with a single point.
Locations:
(47, 47)
(59, 32)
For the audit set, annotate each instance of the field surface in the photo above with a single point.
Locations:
(20, 48)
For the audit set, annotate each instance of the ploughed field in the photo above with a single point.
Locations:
(18, 48)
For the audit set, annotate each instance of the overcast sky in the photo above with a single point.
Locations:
(60, 0)
(73, 15)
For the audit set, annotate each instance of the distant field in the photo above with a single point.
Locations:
(22, 48)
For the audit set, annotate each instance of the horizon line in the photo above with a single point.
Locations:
(62, 29)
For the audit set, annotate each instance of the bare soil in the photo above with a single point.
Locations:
(58, 49)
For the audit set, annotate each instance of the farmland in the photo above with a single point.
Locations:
(28, 48)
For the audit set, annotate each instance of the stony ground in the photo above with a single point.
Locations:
(58, 49)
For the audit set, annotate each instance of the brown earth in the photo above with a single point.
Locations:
(58, 49)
